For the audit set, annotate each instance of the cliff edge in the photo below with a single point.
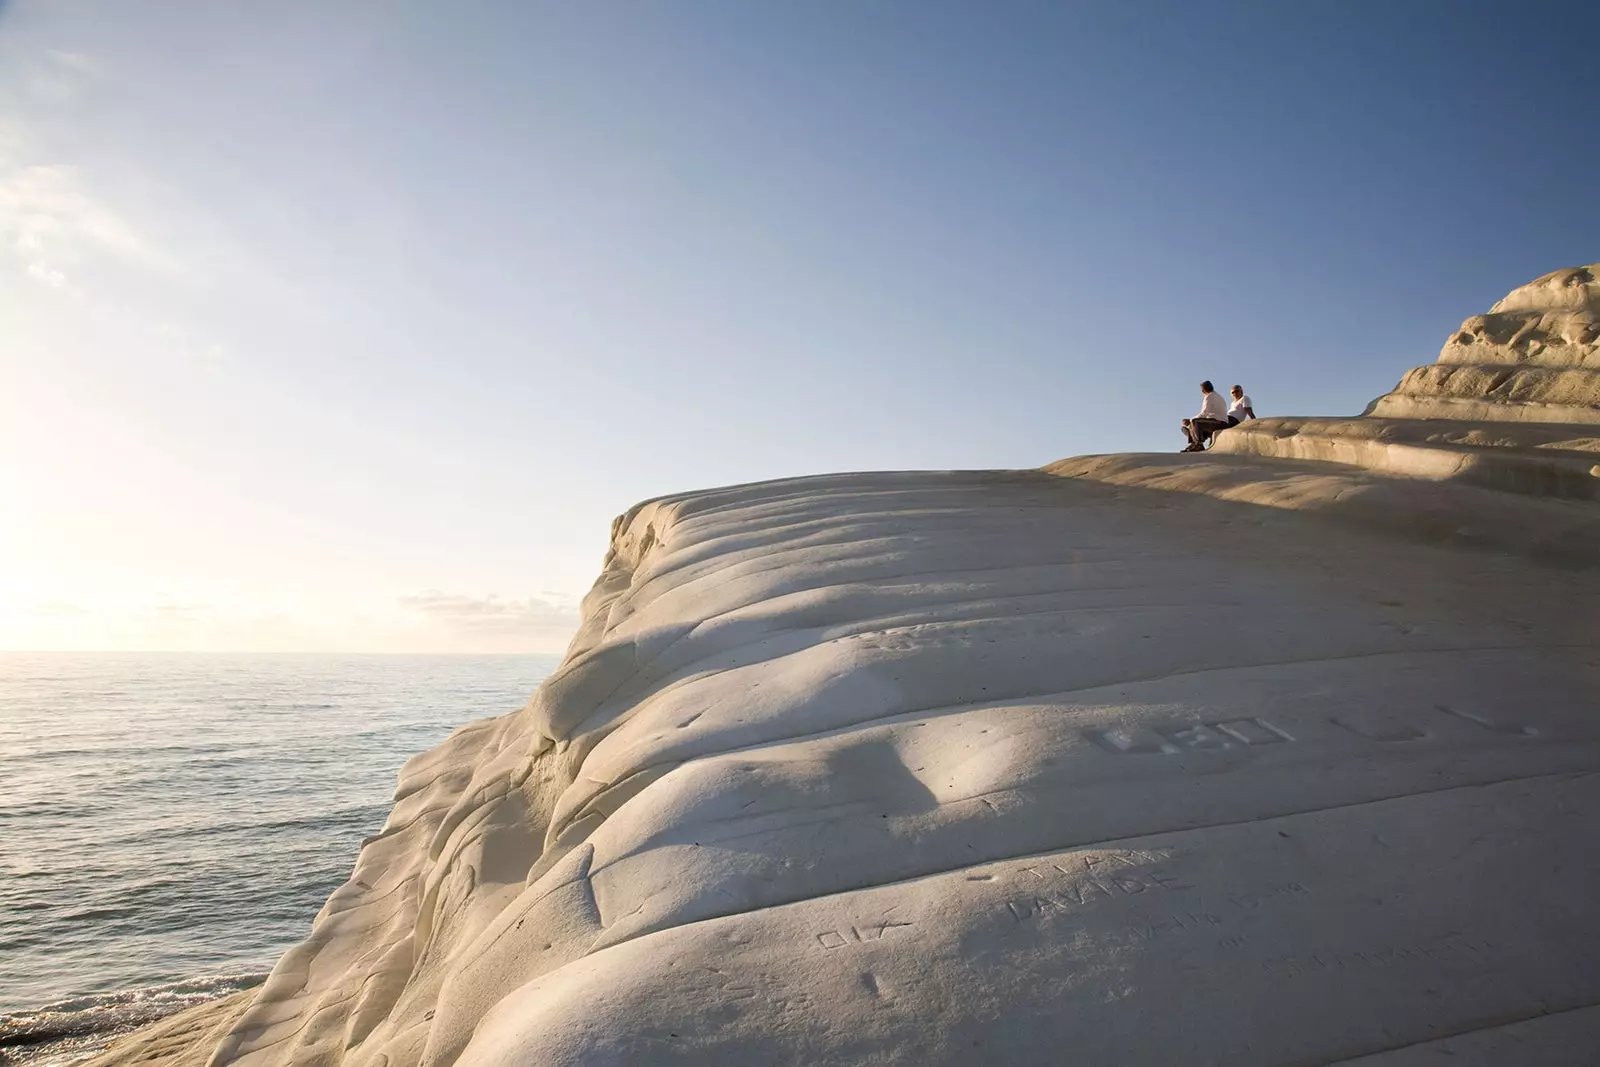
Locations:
(1130, 760)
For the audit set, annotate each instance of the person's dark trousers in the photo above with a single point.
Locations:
(1200, 430)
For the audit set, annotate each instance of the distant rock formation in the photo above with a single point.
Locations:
(1535, 357)
(1512, 403)
(1138, 759)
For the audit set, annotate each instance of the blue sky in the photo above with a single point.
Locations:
(350, 326)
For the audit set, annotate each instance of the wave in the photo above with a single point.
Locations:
(82, 1025)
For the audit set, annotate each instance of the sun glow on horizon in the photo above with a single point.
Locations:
(430, 621)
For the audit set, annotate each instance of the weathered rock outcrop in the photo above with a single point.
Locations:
(1513, 402)
(1135, 760)
(1535, 357)
(1512, 405)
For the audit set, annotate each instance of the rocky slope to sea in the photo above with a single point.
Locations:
(1283, 753)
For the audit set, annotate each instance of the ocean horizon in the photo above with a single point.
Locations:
(171, 822)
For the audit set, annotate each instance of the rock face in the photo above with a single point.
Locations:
(1513, 402)
(1132, 760)
(1534, 358)
(1512, 405)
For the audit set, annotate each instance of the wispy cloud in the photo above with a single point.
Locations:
(74, 61)
(53, 219)
(531, 617)
(52, 222)
(51, 277)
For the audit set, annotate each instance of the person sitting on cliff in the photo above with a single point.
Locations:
(1241, 408)
(1213, 416)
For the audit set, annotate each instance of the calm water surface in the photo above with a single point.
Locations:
(169, 824)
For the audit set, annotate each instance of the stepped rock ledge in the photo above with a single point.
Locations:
(1281, 753)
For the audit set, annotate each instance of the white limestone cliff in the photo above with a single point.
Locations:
(1283, 753)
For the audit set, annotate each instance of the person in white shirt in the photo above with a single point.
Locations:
(1213, 416)
(1241, 408)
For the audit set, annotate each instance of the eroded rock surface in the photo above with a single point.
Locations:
(1497, 444)
(1151, 763)
(1513, 402)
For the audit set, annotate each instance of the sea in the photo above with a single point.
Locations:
(171, 823)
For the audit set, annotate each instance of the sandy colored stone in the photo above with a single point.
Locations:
(185, 1039)
(1284, 753)
(1512, 404)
